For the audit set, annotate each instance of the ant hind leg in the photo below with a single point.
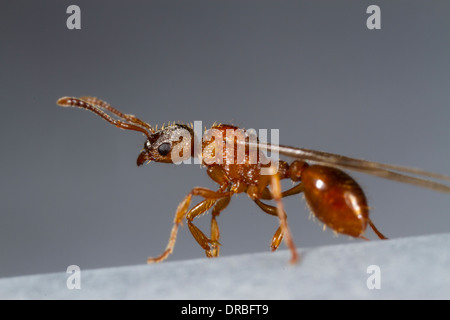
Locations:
(379, 234)
(284, 227)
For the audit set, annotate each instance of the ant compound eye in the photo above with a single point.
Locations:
(164, 148)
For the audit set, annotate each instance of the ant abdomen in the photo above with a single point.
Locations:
(336, 199)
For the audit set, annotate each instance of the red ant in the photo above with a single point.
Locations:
(333, 196)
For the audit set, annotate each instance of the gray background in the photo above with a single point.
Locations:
(70, 192)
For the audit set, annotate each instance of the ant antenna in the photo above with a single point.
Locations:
(127, 122)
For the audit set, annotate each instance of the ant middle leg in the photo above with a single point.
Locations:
(267, 195)
(278, 236)
(256, 192)
(277, 196)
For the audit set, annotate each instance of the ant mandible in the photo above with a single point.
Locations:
(333, 196)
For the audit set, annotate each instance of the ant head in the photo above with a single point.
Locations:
(170, 144)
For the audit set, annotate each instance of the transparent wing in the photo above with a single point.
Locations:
(408, 175)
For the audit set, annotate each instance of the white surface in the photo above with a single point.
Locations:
(410, 268)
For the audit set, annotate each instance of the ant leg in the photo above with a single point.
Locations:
(294, 190)
(278, 236)
(181, 214)
(379, 234)
(267, 208)
(277, 195)
(215, 233)
(266, 195)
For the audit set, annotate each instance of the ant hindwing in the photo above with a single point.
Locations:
(233, 159)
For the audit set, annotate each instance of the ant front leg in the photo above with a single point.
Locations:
(278, 236)
(182, 211)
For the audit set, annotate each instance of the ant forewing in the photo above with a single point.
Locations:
(382, 170)
(333, 196)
